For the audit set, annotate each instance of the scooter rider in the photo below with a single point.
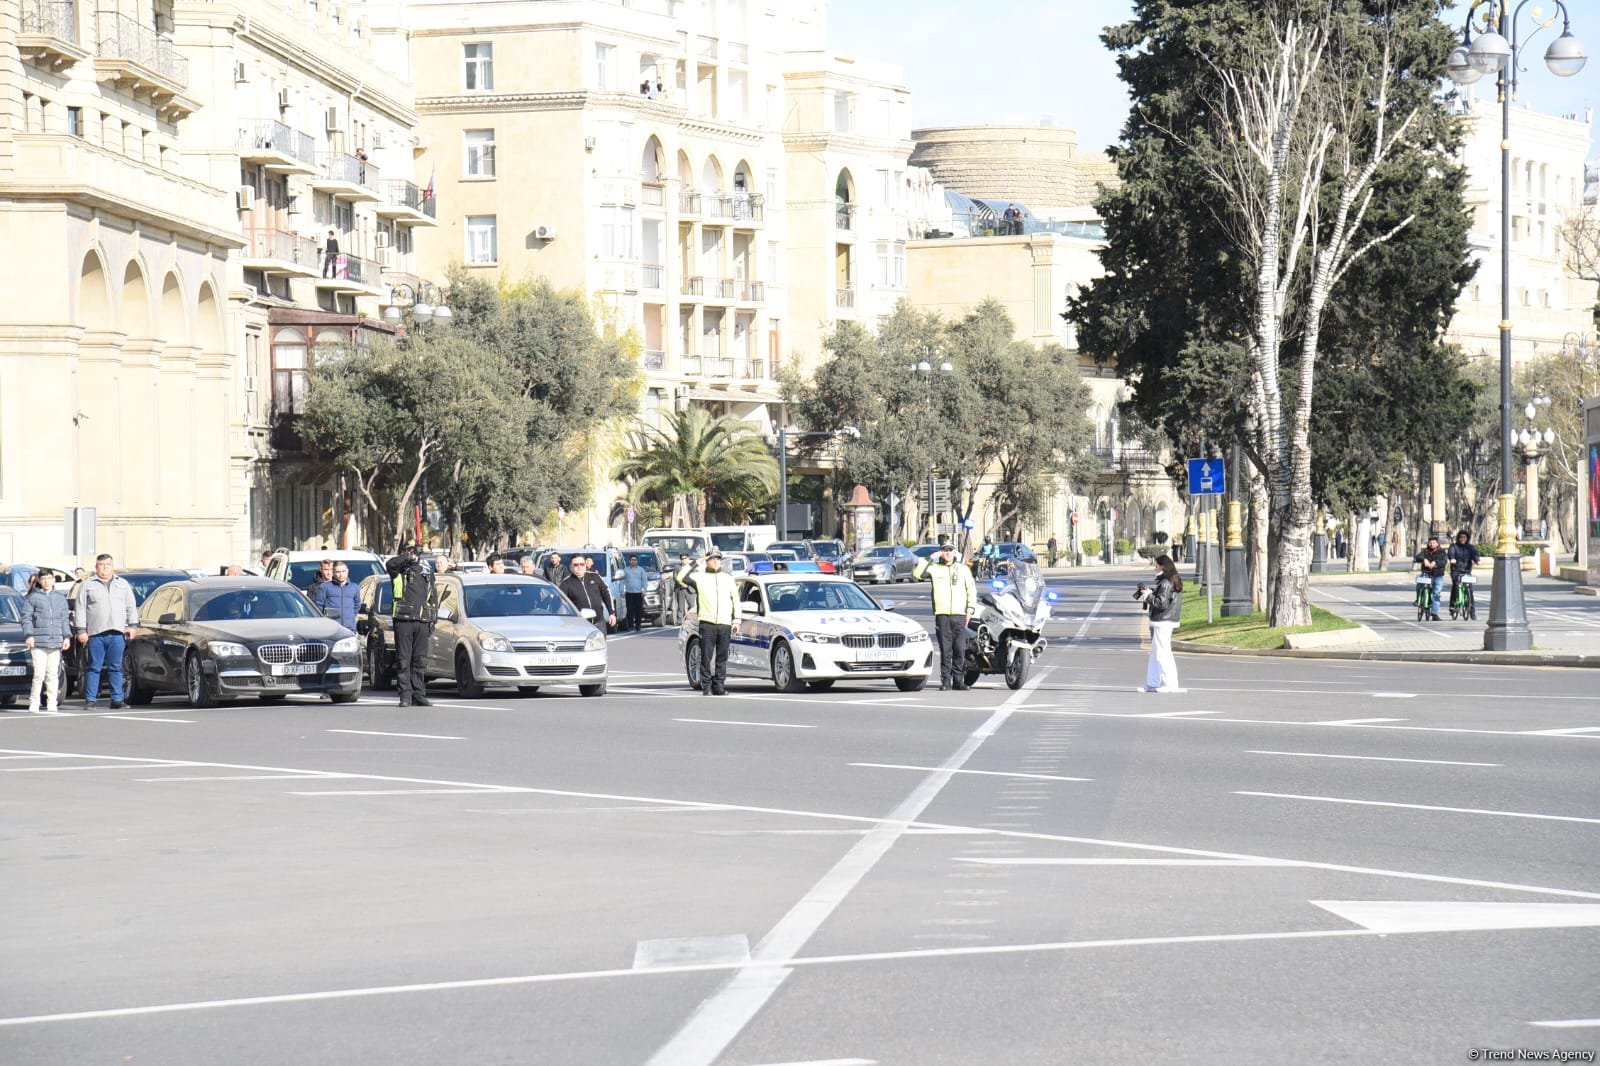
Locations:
(1463, 557)
(955, 598)
(414, 608)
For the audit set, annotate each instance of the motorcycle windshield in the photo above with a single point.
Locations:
(1024, 580)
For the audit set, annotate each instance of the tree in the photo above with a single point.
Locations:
(700, 458)
(1580, 233)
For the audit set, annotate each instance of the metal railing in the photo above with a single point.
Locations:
(652, 193)
(121, 37)
(707, 48)
(843, 214)
(845, 296)
(690, 364)
(404, 194)
(654, 359)
(273, 135)
(727, 288)
(654, 275)
(353, 268)
(688, 203)
(337, 166)
(738, 52)
(747, 208)
(52, 19)
(693, 286)
(719, 367)
(753, 368)
(267, 243)
(753, 292)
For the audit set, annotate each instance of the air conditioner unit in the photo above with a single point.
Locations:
(381, 239)
(246, 197)
(545, 233)
(283, 99)
(293, 203)
(330, 121)
(239, 75)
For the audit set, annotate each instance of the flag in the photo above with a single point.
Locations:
(427, 194)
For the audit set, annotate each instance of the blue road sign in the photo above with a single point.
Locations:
(1207, 477)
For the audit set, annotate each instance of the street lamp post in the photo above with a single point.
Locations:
(924, 370)
(1534, 444)
(783, 466)
(420, 304)
(1497, 50)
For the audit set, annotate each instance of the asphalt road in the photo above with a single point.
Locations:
(1293, 862)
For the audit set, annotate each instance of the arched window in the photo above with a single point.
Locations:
(288, 371)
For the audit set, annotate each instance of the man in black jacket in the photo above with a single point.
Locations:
(1433, 561)
(587, 589)
(413, 624)
(554, 571)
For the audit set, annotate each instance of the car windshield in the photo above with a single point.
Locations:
(693, 547)
(10, 606)
(779, 555)
(144, 584)
(218, 605)
(515, 600)
(824, 549)
(302, 573)
(801, 549)
(818, 596)
(879, 553)
(729, 542)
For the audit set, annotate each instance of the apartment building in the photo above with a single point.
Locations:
(309, 128)
(116, 354)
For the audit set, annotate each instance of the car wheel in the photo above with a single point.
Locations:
(194, 683)
(596, 689)
(820, 686)
(694, 664)
(137, 694)
(783, 674)
(910, 684)
(377, 670)
(8, 701)
(467, 686)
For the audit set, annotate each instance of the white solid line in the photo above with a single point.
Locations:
(1370, 758)
(147, 718)
(249, 777)
(142, 764)
(1290, 724)
(35, 756)
(1126, 862)
(1394, 696)
(720, 721)
(1579, 731)
(1425, 807)
(985, 773)
(827, 1062)
(1571, 1023)
(403, 792)
(718, 1020)
(1442, 916)
(1357, 721)
(1173, 714)
(377, 733)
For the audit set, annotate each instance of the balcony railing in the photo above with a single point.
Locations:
(337, 166)
(693, 286)
(52, 19)
(121, 37)
(282, 246)
(719, 367)
(844, 297)
(753, 368)
(727, 288)
(654, 359)
(404, 194)
(688, 203)
(748, 208)
(652, 193)
(843, 214)
(738, 53)
(654, 275)
(273, 135)
(691, 365)
(353, 268)
(752, 292)
(706, 48)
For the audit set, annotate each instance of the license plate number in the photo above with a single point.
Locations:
(13, 671)
(282, 669)
(559, 660)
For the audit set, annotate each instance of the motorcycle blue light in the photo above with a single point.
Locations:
(997, 584)
(1052, 596)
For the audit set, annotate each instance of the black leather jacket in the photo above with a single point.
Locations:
(1164, 603)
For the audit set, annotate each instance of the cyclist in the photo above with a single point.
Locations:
(1463, 557)
(1433, 560)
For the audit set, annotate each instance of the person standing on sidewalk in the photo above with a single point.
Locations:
(717, 617)
(955, 598)
(635, 579)
(47, 631)
(414, 607)
(1164, 603)
(107, 618)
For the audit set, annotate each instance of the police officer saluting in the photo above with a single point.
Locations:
(955, 597)
(717, 610)
(413, 622)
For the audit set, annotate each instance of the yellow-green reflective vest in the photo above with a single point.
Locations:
(717, 594)
(954, 591)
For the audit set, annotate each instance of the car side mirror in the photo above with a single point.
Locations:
(446, 614)
(887, 605)
(168, 619)
(588, 614)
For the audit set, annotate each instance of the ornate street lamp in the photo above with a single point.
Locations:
(1497, 50)
(421, 303)
(925, 370)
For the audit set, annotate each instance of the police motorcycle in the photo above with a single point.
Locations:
(1006, 634)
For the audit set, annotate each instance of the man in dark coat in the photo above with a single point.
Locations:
(587, 589)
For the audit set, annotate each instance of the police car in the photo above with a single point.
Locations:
(805, 629)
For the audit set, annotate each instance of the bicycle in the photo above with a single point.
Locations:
(1462, 605)
(1424, 600)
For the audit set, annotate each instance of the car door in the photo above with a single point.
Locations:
(158, 651)
(747, 651)
(444, 632)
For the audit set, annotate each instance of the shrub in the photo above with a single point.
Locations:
(1123, 546)
(1092, 546)
(1150, 551)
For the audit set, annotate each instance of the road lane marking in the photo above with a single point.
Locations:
(142, 764)
(1173, 714)
(982, 773)
(1370, 758)
(403, 792)
(250, 777)
(826, 1062)
(723, 721)
(1459, 916)
(147, 718)
(1579, 731)
(719, 1019)
(1394, 696)
(1125, 862)
(1571, 1023)
(629, 809)
(1357, 721)
(1425, 807)
(379, 733)
(1558, 734)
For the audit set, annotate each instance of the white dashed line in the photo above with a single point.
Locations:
(1371, 758)
(377, 733)
(1424, 807)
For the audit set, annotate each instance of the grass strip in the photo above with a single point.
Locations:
(1249, 631)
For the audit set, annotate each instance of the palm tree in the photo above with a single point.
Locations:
(699, 458)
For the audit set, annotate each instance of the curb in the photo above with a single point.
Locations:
(1442, 657)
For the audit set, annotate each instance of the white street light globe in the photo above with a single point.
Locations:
(1528, 410)
(1522, 438)
(1459, 66)
(423, 313)
(443, 315)
(1565, 56)
(1489, 53)
(1549, 436)
(923, 367)
(946, 368)
(391, 313)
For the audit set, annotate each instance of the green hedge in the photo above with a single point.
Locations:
(1123, 546)
(1092, 546)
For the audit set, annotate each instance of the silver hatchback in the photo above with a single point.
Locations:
(516, 631)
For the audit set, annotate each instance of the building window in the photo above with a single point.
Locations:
(288, 372)
(603, 57)
(75, 121)
(773, 259)
(616, 232)
(482, 246)
(479, 67)
(480, 153)
(844, 110)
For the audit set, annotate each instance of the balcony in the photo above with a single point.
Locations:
(49, 34)
(404, 202)
(844, 297)
(275, 251)
(706, 48)
(654, 359)
(752, 292)
(354, 275)
(717, 366)
(688, 203)
(344, 177)
(843, 216)
(738, 53)
(134, 58)
(753, 369)
(654, 276)
(276, 147)
(745, 208)
(726, 289)
(652, 193)
(693, 286)
(690, 365)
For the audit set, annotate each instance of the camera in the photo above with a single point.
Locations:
(1140, 592)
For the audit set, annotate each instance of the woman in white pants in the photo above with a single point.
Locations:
(47, 631)
(1164, 603)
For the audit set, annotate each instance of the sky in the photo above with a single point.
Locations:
(1016, 61)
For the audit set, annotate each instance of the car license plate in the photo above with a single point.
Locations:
(294, 668)
(559, 660)
(13, 671)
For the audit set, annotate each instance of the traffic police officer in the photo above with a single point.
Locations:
(413, 622)
(955, 598)
(717, 610)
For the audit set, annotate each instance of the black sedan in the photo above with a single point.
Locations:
(143, 583)
(16, 662)
(227, 637)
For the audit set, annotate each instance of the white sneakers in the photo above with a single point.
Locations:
(1163, 688)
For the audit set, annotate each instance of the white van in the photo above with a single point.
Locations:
(742, 538)
(675, 542)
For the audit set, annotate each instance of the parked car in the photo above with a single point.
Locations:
(375, 627)
(18, 576)
(223, 638)
(143, 582)
(1011, 549)
(299, 568)
(884, 563)
(802, 548)
(655, 590)
(511, 630)
(16, 663)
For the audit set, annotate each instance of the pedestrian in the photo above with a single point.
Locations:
(361, 159)
(414, 607)
(497, 565)
(554, 571)
(955, 598)
(1434, 562)
(1383, 539)
(338, 597)
(525, 564)
(47, 632)
(1164, 603)
(442, 564)
(587, 591)
(78, 574)
(330, 255)
(106, 618)
(717, 611)
(266, 559)
(233, 570)
(635, 579)
(1050, 546)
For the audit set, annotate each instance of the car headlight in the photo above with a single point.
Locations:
(493, 641)
(919, 637)
(817, 638)
(594, 641)
(345, 646)
(227, 649)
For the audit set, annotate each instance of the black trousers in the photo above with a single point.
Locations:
(952, 631)
(410, 657)
(635, 619)
(714, 655)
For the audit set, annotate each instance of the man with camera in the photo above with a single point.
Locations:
(413, 624)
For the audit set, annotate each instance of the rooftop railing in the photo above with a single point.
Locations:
(121, 37)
